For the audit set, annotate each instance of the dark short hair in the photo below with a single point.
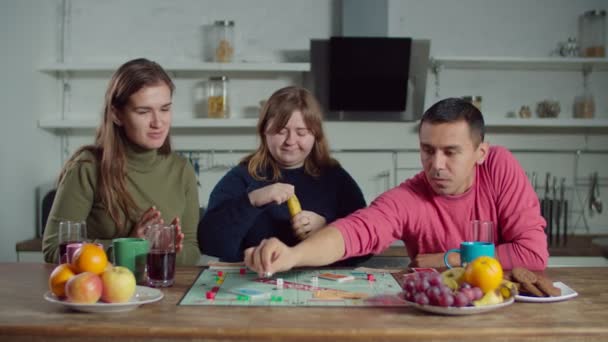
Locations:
(452, 110)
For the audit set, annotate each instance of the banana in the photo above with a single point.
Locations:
(507, 289)
(293, 204)
(453, 277)
(490, 298)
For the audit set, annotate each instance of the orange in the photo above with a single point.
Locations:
(484, 272)
(90, 258)
(60, 275)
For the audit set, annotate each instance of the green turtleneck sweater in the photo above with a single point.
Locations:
(164, 181)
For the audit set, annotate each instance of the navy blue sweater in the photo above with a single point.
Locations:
(231, 224)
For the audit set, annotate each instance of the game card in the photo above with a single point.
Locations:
(336, 277)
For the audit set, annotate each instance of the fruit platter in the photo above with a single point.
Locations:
(90, 283)
(478, 288)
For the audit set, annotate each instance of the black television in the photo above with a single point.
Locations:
(368, 73)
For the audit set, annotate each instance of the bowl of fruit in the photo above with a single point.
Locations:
(478, 288)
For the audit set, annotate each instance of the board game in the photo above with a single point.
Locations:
(306, 287)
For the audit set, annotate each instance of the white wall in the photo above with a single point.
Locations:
(173, 31)
(28, 155)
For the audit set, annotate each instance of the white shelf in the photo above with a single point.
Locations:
(520, 63)
(547, 123)
(61, 124)
(194, 66)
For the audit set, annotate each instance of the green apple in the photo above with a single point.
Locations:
(118, 285)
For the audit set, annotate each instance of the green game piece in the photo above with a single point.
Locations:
(279, 299)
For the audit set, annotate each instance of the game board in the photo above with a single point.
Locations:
(299, 289)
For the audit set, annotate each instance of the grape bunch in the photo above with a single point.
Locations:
(427, 288)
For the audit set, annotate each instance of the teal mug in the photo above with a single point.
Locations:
(469, 251)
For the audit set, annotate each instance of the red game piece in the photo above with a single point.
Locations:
(210, 295)
(220, 273)
(243, 271)
(215, 289)
(370, 277)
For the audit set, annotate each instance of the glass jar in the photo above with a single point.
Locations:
(474, 100)
(584, 106)
(217, 97)
(223, 41)
(593, 33)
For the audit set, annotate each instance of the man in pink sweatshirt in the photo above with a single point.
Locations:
(464, 179)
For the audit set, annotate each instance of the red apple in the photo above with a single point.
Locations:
(84, 288)
(118, 285)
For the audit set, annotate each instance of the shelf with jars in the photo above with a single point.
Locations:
(62, 122)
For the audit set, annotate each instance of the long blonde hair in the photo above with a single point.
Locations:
(109, 149)
(277, 111)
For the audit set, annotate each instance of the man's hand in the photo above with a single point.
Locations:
(277, 193)
(307, 222)
(434, 260)
(269, 257)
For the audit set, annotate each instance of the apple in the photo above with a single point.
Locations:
(118, 285)
(84, 288)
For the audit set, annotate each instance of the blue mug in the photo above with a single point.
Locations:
(469, 251)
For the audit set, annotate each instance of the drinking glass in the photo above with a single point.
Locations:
(161, 256)
(482, 231)
(70, 232)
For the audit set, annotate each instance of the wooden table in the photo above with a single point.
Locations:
(25, 315)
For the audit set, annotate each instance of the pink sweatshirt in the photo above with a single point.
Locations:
(431, 223)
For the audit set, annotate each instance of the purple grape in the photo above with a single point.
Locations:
(465, 285)
(409, 296)
(444, 289)
(433, 294)
(421, 298)
(460, 300)
(409, 285)
(478, 293)
(468, 291)
(422, 285)
(446, 299)
(435, 280)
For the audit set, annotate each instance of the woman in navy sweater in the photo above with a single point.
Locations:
(248, 204)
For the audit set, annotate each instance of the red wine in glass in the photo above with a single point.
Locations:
(63, 257)
(161, 268)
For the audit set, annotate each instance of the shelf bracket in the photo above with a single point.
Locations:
(436, 68)
(65, 145)
(66, 91)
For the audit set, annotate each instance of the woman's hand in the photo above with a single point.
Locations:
(150, 216)
(179, 236)
(277, 193)
(307, 222)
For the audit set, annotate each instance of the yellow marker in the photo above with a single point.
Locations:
(294, 206)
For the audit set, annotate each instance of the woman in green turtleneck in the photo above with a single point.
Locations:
(129, 178)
